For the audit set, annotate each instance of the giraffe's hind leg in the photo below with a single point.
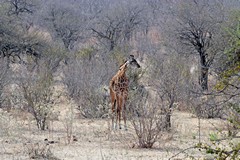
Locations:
(119, 110)
(124, 118)
(114, 113)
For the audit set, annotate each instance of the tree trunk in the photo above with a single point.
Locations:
(112, 45)
(203, 79)
(168, 120)
(169, 112)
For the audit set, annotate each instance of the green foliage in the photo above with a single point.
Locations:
(221, 153)
(234, 119)
(228, 84)
(213, 136)
(230, 76)
(86, 53)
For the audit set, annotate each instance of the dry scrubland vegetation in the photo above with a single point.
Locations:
(57, 58)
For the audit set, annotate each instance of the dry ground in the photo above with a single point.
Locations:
(94, 140)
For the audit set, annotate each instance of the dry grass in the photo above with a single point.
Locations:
(92, 139)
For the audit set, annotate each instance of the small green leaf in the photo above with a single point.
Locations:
(213, 136)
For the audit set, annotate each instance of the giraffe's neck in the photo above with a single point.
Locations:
(121, 81)
(122, 69)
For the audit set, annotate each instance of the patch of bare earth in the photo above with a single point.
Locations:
(93, 139)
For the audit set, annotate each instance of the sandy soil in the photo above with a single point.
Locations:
(93, 139)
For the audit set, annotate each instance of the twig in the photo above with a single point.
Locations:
(199, 130)
(192, 147)
(227, 138)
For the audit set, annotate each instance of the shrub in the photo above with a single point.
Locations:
(149, 126)
(147, 117)
(39, 151)
(37, 90)
(87, 81)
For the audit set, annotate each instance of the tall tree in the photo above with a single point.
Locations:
(117, 25)
(15, 39)
(65, 23)
(198, 25)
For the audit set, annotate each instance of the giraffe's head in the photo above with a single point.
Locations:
(131, 61)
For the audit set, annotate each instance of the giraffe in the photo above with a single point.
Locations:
(119, 91)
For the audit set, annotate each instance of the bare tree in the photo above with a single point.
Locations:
(66, 24)
(17, 7)
(198, 29)
(169, 82)
(117, 26)
(35, 80)
(16, 40)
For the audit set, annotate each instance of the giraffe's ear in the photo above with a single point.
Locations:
(131, 57)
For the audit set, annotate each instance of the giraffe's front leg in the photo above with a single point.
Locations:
(113, 103)
(124, 119)
(113, 113)
(118, 115)
(124, 113)
(112, 116)
(116, 118)
(119, 111)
